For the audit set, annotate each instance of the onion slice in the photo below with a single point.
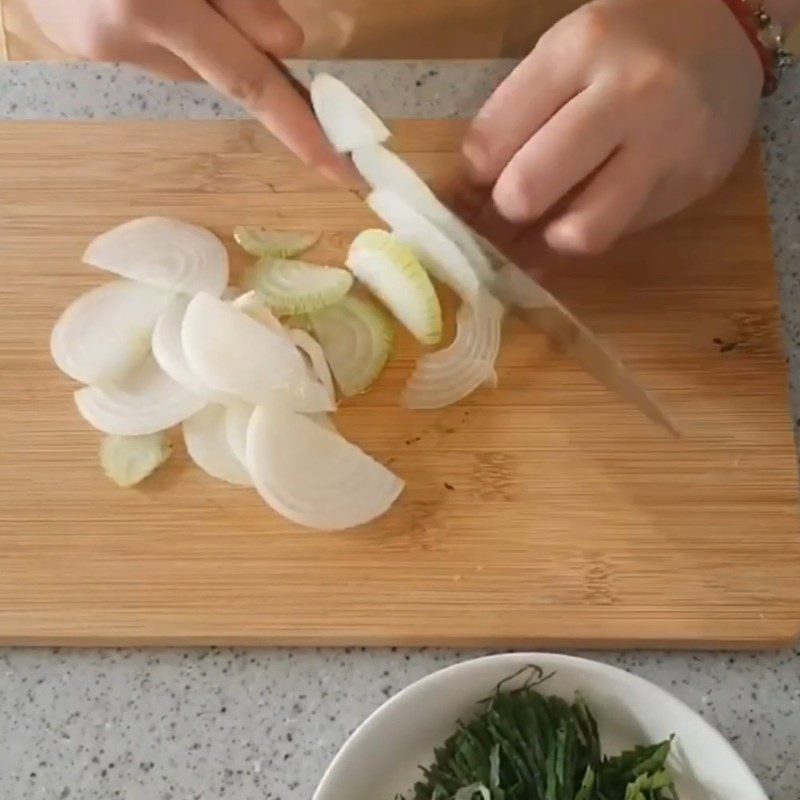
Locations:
(297, 287)
(205, 434)
(313, 476)
(104, 335)
(383, 169)
(148, 401)
(357, 339)
(316, 357)
(128, 460)
(261, 242)
(163, 252)
(235, 354)
(392, 273)
(348, 122)
(447, 376)
(237, 419)
(439, 254)
(168, 348)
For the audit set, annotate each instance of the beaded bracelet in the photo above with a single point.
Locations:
(765, 35)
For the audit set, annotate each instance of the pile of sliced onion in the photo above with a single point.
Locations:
(171, 344)
(251, 376)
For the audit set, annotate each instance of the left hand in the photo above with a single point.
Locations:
(626, 112)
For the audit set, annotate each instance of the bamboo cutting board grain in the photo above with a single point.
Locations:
(544, 513)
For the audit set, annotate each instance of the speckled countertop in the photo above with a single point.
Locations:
(248, 724)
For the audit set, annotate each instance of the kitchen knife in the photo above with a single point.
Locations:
(532, 303)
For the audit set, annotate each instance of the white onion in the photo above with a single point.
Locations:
(148, 401)
(234, 354)
(316, 356)
(207, 443)
(128, 460)
(314, 476)
(439, 254)
(163, 252)
(383, 169)
(237, 420)
(105, 334)
(357, 339)
(261, 242)
(445, 377)
(392, 273)
(297, 287)
(348, 122)
(168, 348)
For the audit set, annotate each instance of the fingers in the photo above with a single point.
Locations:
(518, 108)
(165, 64)
(224, 58)
(265, 24)
(572, 145)
(606, 207)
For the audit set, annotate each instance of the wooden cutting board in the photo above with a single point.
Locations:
(543, 513)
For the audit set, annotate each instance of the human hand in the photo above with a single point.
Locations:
(626, 112)
(228, 43)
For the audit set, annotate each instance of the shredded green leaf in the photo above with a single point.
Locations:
(524, 745)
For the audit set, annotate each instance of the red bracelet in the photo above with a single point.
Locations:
(747, 20)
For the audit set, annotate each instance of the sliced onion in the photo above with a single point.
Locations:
(316, 356)
(254, 305)
(357, 340)
(314, 476)
(297, 287)
(148, 401)
(348, 122)
(205, 434)
(105, 334)
(234, 354)
(237, 419)
(261, 242)
(383, 169)
(163, 252)
(445, 377)
(392, 273)
(168, 348)
(128, 460)
(439, 254)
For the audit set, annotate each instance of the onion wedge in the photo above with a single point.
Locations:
(261, 242)
(148, 401)
(205, 434)
(254, 305)
(316, 357)
(297, 287)
(237, 418)
(105, 334)
(392, 273)
(439, 254)
(313, 476)
(348, 122)
(383, 169)
(447, 376)
(128, 460)
(357, 340)
(235, 354)
(163, 252)
(168, 348)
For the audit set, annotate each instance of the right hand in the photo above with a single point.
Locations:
(227, 43)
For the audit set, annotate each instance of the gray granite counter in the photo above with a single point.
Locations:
(247, 724)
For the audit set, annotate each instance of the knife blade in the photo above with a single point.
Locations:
(529, 301)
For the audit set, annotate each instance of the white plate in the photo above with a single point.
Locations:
(382, 757)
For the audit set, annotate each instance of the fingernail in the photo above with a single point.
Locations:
(288, 38)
